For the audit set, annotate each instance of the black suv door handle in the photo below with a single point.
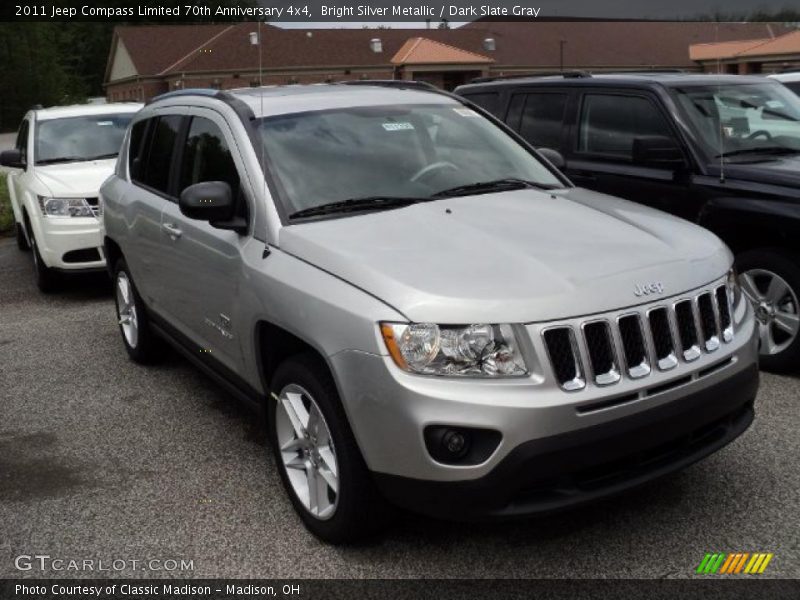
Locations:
(584, 176)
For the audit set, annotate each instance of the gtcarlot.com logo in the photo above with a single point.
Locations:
(45, 562)
(736, 563)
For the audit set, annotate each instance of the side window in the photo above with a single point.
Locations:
(157, 158)
(22, 139)
(206, 157)
(489, 101)
(543, 119)
(135, 148)
(610, 123)
(515, 111)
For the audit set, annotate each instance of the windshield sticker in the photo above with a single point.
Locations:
(774, 104)
(104, 123)
(398, 126)
(466, 112)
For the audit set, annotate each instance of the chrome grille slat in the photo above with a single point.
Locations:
(686, 323)
(635, 343)
(634, 346)
(709, 323)
(602, 357)
(565, 358)
(725, 313)
(663, 340)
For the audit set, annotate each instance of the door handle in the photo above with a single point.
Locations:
(584, 176)
(172, 230)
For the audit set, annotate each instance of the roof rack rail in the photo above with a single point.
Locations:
(207, 92)
(572, 74)
(642, 71)
(395, 83)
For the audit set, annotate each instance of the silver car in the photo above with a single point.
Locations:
(425, 309)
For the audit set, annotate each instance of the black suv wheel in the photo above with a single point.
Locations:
(771, 281)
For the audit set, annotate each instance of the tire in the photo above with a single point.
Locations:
(22, 241)
(771, 280)
(356, 510)
(47, 279)
(142, 345)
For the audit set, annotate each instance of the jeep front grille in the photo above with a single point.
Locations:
(640, 341)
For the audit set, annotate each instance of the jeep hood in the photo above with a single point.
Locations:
(75, 179)
(518, 257)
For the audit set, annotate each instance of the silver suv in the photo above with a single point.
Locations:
(425, 308)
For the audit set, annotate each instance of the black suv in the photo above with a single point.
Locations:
(720, 150)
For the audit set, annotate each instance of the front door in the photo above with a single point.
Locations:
(203, 264)
(601, 153)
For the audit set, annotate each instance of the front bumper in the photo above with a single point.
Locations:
(562, 471)
(74, 244)
(551, 442)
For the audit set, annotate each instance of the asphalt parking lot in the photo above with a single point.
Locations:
(104, 459)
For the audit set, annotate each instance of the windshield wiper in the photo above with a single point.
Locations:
(357, 204)
(773, 150)
(496, 185)
(102, 156)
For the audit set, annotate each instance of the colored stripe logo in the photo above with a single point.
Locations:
(719, 563)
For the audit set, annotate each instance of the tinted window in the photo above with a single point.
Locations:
(206, 157)
(543, 119)
(609, 124)
(489, 101)
(135, 148)
(794, 86)
(156, 162)
(72, 139)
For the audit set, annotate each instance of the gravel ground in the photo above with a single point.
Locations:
(104, 459)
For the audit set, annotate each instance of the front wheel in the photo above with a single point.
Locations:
(140, 342)
(22, 241)
(771, 281)
(319, 462)
(47, 279)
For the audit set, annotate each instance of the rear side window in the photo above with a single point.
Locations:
(489, 101)
(794, 86)
(206, 157)
(156, 159)
(610, 123)
(543, 119)
(135, 148)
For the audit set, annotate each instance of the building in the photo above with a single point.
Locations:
(148, 60)
(761, 55)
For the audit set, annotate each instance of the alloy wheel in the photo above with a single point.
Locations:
(126, 308)
(776, 308)
(307, 452)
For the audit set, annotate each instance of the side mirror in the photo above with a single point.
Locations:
(12, 158)
(212, 201)
(553, 156)
(657, 151)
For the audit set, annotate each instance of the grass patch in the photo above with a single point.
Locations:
(6, 216)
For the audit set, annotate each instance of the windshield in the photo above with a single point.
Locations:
(410, 151)
(743, 120)
(74, 139)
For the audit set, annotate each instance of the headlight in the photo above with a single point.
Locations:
(472, 350)
(734, 289)
(65, 207)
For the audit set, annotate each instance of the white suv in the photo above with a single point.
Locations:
(60, 158)
(790, 79)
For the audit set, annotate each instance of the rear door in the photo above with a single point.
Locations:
(203, 264)
(599, 151)
(152, 151)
